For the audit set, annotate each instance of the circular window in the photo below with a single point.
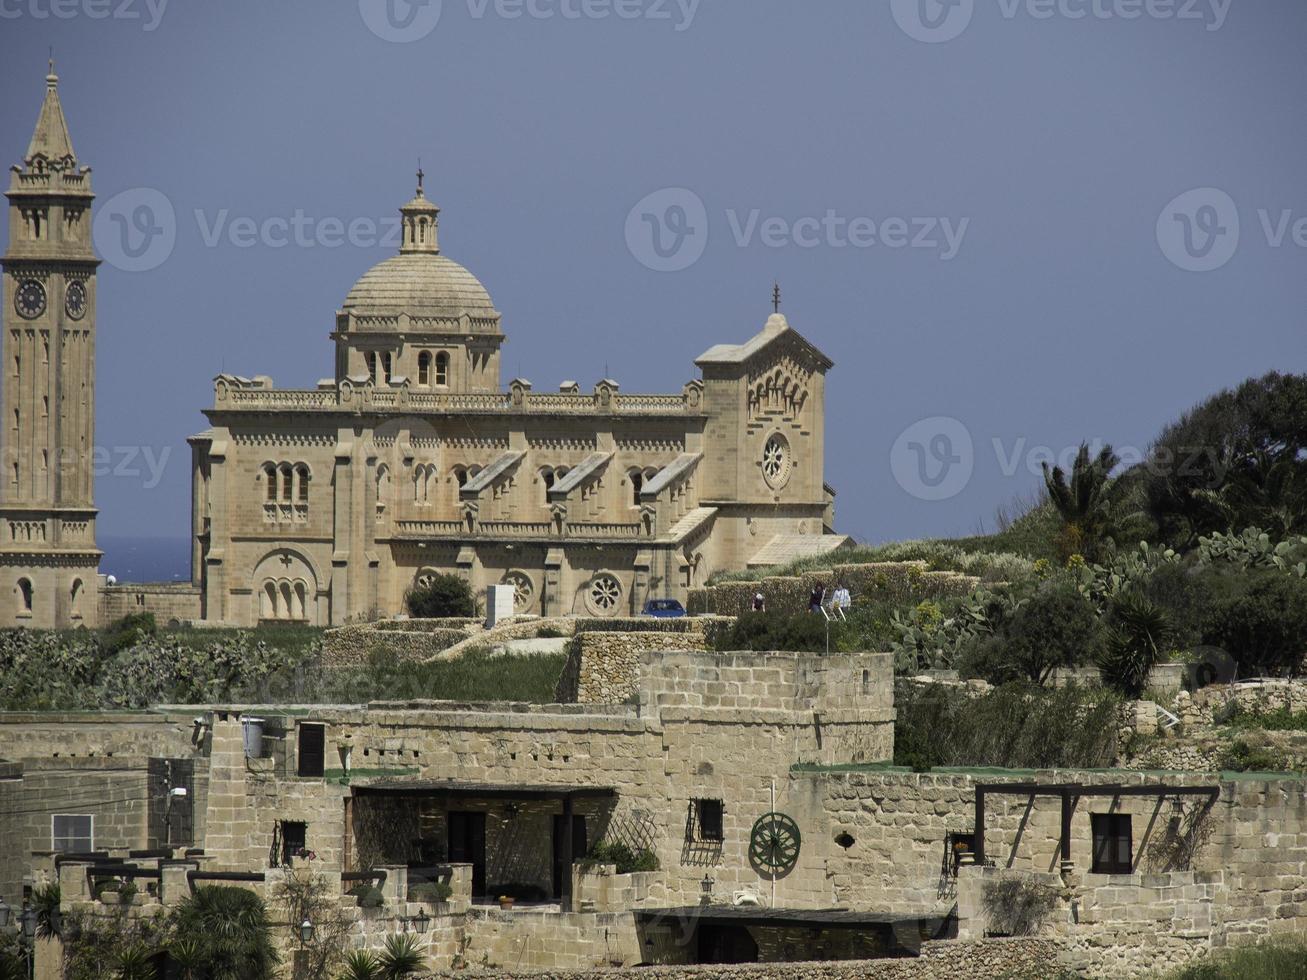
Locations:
(605, 595)
(523, 590)
(776, 462)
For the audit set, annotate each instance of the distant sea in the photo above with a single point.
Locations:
(146, 559)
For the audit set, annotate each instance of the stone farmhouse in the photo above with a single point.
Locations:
(326, 505)
(756, 781)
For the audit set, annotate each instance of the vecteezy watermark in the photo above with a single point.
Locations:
(148, 12)
(137, 230)
(406, 21)
(937, 21)
(1201, 230)
(144, 463)
(668, 230)
(934, 459)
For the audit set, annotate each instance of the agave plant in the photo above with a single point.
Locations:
(361, 965)
(49, 920)
(401, 957)
(134, 961)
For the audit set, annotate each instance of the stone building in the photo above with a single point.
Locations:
(48, 557)
(327, 505)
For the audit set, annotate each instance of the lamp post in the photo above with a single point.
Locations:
(421, 921)
(27, 934)
(307, 930)
(4, 913)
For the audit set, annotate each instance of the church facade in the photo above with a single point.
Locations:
(327, 505)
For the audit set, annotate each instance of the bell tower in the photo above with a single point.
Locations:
(48, 557)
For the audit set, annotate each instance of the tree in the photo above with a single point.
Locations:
(1056, 627)
(1237, 460)
(230, 927)
(1089, 503)
(442, 597)
(1265, 629)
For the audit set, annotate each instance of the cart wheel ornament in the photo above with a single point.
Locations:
(774, 845)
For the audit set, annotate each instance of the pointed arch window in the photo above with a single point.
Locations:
(637, 484)
(26, 596)
(270, 482)
(287, 483)
(75, 599)
(548, 480)
(302, 479)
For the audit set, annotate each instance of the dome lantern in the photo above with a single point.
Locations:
(421, 219)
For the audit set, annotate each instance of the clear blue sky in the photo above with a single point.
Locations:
(1050, 145)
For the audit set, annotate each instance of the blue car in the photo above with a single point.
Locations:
(664, 609)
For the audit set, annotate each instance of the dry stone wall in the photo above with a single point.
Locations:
(604, 668)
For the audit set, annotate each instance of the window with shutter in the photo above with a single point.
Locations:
(1113, 844)
(312, 750)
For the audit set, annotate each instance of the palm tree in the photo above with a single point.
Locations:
(231, 929)
(1087, 503)
(401, 958)
(134, 962)
(49, 921)
(1135, 640)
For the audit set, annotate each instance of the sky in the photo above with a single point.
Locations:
(1013, 224)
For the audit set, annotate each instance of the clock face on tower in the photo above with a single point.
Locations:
(75, 300)
(30, 299)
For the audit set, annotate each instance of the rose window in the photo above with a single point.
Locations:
(776, 462)
(605, 594)
(522, 590)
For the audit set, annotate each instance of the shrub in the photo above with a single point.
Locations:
(1246, 756)
(1135, 642)
(805, 632)
(445, 596)
(1017, 904)
(431, 892)
(1015, 726)
(369, 896)
(127, 632)
(1265, 629)
(626, 859)
(1283, 960)
(230, 929)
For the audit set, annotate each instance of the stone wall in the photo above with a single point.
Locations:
(352, 646)
(903, 583)
(603, 668)
(995, 959)
(172, 603)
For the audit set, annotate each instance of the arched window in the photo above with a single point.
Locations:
(424, 369)
(286, 602)
(75, 599)
(460, 474)
(442, 368)
(385, 369)
(25, 595)
(370, 357)
(383, 488)
(302, 478)
(287, 481)
(268, 601)
(547, 479)
(299, 601)
(270, 479)
(637, 484)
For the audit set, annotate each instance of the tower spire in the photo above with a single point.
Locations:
(50, 138)
(776, 297)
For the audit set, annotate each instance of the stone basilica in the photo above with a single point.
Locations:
(326, 505)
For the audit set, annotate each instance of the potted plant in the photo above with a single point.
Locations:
(506, 902)
(107, 892)
(127, 892)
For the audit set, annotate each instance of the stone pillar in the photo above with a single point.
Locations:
(228, 818)
(73, 884)
(174, 885)
(395, 887)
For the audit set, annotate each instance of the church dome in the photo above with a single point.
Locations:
(421, 284)
(419, 281)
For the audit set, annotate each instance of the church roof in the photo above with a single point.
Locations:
(776, 328)
(51, 139)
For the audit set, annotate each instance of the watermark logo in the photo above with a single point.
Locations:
(933, 21)
(1199, 230)
(148, 12)
(667, 231)
(401, 21)
(136, 231)
(933, 459)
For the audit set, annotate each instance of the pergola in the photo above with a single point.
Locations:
(1070, 793)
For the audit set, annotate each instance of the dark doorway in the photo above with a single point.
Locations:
(579, 847)
(726, 944)
(467, 845)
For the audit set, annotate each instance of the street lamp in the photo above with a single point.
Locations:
(307, 930)
(27, 920)
(421, 921)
